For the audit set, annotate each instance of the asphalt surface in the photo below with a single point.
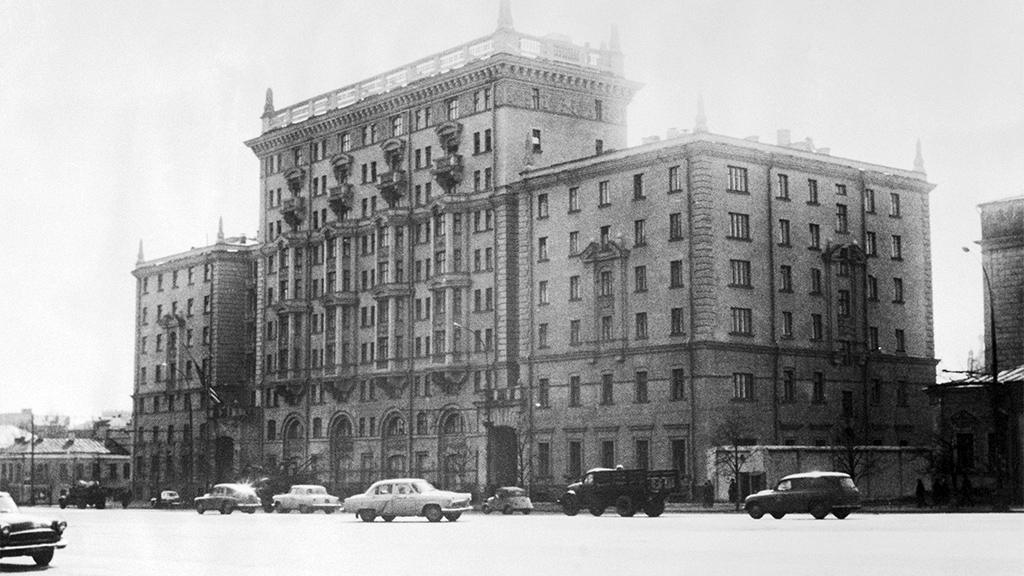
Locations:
(157, 542)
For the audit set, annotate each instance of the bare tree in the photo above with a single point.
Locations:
(729, 458)
(852, 456)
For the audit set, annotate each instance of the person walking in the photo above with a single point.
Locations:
(732, 490)
(709, 494)
(920, 493)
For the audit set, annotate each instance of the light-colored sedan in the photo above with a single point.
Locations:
(306, 498)
(508, 499)
(407, 497)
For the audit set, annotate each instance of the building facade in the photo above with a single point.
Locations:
(1002, 250)
(37, 473)
(193, 415)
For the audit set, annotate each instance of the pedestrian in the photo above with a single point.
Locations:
(920, 493)
(965, 492)
(707, 494)
(732, 490)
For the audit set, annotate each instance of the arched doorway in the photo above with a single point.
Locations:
(455, 458)
(294, 445)
(223, 459)
(341, 455)
(503, 443)
(394, 446)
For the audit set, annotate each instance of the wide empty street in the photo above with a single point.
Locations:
(144, 542)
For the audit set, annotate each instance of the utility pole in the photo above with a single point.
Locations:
(32, 459)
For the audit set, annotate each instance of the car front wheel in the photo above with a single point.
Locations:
(453, 516)
(388, 517)
(778, 515)
(819, 511)
(43, 557)
(755, 511)
(367, 515)
(841, 514)
(226, 508)
(654, 508)
(570, 506)
(433, 513)
(200, 508)
(624, 506)
(486, 509)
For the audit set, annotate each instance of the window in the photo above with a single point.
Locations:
(676, 274)
(606, 232)
(535, 98)
(641, 325)
(847, 403)
(742, 323)
(785, 278)
(482, 100)
(816, 327)
(607, 391)
(784, 237)
(451, 107)
(675, 226)
(574, 288)
(543, 460)
(638, 187)
(640, 387)
(542, 292)
(844, 304)
(872, 338)
(897, 247)
(783, 193)
(812, 191)
(897, 290)
(870, 247)
(542, 206)
(787, 324)
(574, 391)
(642, 456)
(606, 282)
(815, 232)
(678, 391)
(640, 278)
(901, 393)
(543, 393)
(841, 219)
(606, 328)
(574, 199)
(788, 386)
(869, 200)
(639, 234)
(740, 273)
(901, 340)
(574, 332)
(674, 183)
(608, 453)
(737, 179)
(894, 205)
(575, 468)
(742, 386)
(840, 189)
(574, 242)
(818, 388)
(535, 141)
(739, 226)
(542, 249)
(598, 110)
(603, 195)
(422, 118)
(397, 126)
(677, 327)
(876, 391)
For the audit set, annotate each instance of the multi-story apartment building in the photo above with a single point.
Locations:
(1002, 249)
(193, 415)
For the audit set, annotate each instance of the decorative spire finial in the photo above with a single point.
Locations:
(918, 158)
(141, 258)
(505, 14)
(220, 231)
(268, 107)
(613, 42)
(701, 123)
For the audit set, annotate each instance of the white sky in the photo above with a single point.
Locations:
(122, 120)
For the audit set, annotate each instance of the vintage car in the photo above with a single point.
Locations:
(306, 498)
(227, 498)
(407, 497)
(508, 499)
(815, 492)
(83, 493)
(23, 535)
(166, 499)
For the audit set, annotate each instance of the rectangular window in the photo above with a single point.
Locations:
(818, 388)
(543, 460)
(783, 193)
(598, 110)
(535, 141)
(574, 390)
(894, 205)
(742, 386)
(870, 247)
(737, 179)
(897, 290)
(742, 323)
(740, 273)
(575, 468)
(844, 304)
(638, 187)
(816, 327)
(542, 206)
(535, 98)
(840, 189)
(607, 390)
(542, 249)
(640, 278)
(785, 278)
(606, 328)
(674, 183)
(842, 222)
(897, 247)
(815, 233)
(452, 109)
(640, 387)
(675, 268)
(812, 191)
(574, 288)
(788, 386)
(739, 226)
(642, 456)
(872, 338)
(787, 324)
(675, 226)
(608, 453)
(639, 233)
(901, 340)
(784, 236)
(603, 194)
(678, 391)
(677, 327)
(574, 332)
(606, 283)
(574, 199)
(542, 292)
(641, 325)
(574, 242)
(543, 393)
(869, 200)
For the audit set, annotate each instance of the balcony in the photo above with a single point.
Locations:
(392, 186)
(340, 199)
(340, 298)
(391, 289)
(293, 210)
(448, 171)
(451, 280)
(291, 306)
(295, 177)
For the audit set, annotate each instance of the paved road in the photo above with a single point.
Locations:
(145, 542)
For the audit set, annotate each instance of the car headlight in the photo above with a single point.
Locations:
(59, 526)
(5, 531)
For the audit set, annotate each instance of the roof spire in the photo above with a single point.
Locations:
(613, 42)
(220, 231)
(268, 107)
(141, 258)
(505, 14)
(919, 159)
(701, 123)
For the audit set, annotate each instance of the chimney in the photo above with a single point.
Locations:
(783, 137)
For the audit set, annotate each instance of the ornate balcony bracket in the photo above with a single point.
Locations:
(448, 171)
(393, 387)
(292, 393)
(341, 164)
(392, 186)
(450, 381)
(340, 198)
(449, 134)
(294, 211)
(340, 390)
(596, 252)
(171, 321)
(295, 177)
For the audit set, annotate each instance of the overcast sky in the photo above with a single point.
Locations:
(124, 120)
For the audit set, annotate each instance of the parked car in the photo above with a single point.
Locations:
(508, 499)
(815, 492)
(24, 535)
(227, 498)
(407, 497)
(627, 490)
(166, 499)
(83, 493)
(306, 498)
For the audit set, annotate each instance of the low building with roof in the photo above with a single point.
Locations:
(48, 465)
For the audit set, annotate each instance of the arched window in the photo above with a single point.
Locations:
(343, 427)
(395, 427)
(421, 423)
(453, 424)
(271, 430)
(294, 431)
(317, 427)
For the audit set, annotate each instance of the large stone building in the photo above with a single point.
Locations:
(464, 274)
(193, 413)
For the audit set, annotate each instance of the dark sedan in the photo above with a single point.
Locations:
(815, 492)
(227, 498)
(24, 535)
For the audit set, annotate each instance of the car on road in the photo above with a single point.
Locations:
(83, 493)
(508, 499)
(407, 497)
(227, 498)
(627, 491)
(306, 498)
(166, 499)
(24, 535)
(817, 493)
